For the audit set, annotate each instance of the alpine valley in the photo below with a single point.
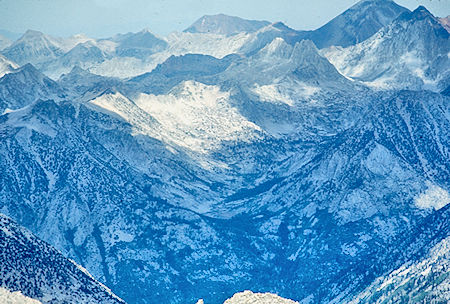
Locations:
(236, 155)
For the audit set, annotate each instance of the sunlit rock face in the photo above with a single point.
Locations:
(248, 297)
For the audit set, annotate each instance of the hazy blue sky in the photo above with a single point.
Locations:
(102, 18)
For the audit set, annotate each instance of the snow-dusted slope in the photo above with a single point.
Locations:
(197, 117)
(39, 271)
(120, 170)
(424, 281)
(412, 52)
(225, 25)
(98, 141)
(421, 274)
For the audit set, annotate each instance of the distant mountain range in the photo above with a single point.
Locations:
(135, 53)
(225, 25)
(236, 155)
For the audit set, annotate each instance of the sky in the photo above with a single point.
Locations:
(104, 18)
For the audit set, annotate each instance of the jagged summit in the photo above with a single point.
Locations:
(225, 25)
(278, 59)
(420, 13)
(140, 44)
(28, 67)
(83, 53)
(423, 10)
(420, 20)
(311, 66)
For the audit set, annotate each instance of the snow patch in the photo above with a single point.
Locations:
(433, 198)
(286, 94)
(15, 297)
(349, 250)
(197, 116)
(122, 236)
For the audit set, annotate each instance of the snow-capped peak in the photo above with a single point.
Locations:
(32, 34)
(37, 39)
(33, 47)
(277, 48)
(310, 65)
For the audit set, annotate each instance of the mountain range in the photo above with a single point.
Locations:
(236, 155)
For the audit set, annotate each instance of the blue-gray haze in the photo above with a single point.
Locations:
(102, 18)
